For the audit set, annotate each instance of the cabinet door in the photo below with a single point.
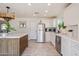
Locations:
(3, 47)
(66, 47)
(0, 46)
(53, 38)
(13, 47)
(47, 36)
(23, 44)
(74, 52)
(74, 48)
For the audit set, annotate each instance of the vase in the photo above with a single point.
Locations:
(4, 34)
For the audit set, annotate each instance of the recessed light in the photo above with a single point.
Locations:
(49, 4)
(29, 4)
(44, 14)
(46, 11)
(34, 15)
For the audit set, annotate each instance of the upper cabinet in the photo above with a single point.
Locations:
(71, 14)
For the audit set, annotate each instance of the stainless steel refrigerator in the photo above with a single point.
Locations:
(41, 32)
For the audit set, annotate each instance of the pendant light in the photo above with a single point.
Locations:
(7, 15)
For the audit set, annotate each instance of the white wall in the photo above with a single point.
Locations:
(71, 15)
(31, 25)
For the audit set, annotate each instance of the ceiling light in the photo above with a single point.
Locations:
(34, 15)
(49, 4)
(7, 15)
(29, 4)
(46, 11)
(44, 14)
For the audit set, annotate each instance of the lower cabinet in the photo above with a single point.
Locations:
(65, 47)
(69, 47)
(74, 48)
(3, 47)
(53, 37)
(47, 36)
(74, 52)
(23, 44)
(50, 37)
(13, 46)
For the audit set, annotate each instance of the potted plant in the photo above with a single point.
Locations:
(61, 26)
(6, 27)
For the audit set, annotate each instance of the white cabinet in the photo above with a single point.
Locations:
(69, 47)
(53, 38)
(74, 52)
(50, 37)
(65, 47)
(74, 48)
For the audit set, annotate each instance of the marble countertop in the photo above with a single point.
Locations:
(12, 35)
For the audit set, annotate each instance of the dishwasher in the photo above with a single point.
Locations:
(58, 44)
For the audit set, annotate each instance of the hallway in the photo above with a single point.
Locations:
(40, 49)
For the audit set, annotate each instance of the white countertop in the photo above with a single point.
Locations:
(12, 35)
(68, 37)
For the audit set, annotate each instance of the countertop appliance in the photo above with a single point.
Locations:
(41, 32)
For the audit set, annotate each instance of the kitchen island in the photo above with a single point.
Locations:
(13, 44)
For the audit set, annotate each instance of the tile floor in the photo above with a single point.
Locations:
(40, 49)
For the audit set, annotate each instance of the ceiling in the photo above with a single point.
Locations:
(23, 10)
